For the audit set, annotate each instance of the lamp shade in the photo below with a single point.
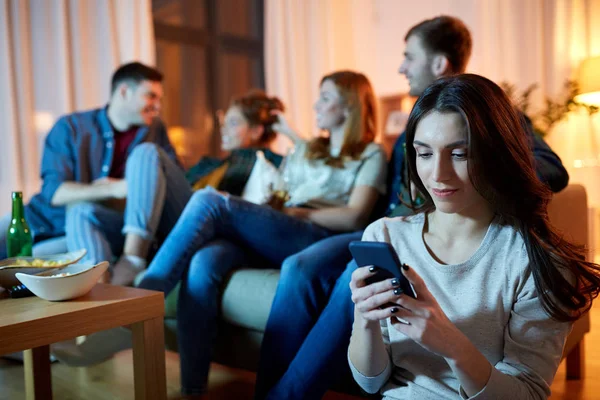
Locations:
(589, 82)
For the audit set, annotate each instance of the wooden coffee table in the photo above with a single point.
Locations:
(34, 323)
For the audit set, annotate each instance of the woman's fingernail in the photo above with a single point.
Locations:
(372, 269)
(405, 267)
(394, 310)
(398, 291)
(395, 282)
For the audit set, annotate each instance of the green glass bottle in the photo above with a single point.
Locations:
(19, 241)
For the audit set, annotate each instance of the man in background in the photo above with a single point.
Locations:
(83, 171)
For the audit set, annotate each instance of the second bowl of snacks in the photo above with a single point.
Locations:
(66, 283)
(32, 265)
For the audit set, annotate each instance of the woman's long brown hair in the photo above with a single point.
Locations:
(501, 168)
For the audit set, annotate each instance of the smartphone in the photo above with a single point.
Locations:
(382, 256)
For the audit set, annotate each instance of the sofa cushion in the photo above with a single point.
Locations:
(246, 301)
(248, 296)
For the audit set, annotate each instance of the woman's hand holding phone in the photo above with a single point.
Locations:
(374, 301)
(392, 289)
(421, 318)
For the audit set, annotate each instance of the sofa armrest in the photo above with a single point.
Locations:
(568, 212)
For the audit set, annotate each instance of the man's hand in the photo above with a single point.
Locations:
(116, 187)
(106, 180)
(119, 189)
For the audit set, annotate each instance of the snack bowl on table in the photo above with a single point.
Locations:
(67, 283)
(33, 265)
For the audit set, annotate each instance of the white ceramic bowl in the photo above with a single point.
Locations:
(66, 283)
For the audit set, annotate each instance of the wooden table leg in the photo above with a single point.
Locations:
(38, 378)
(149, 374)
(576, 361)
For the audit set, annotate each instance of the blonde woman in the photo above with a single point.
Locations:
(334, 185)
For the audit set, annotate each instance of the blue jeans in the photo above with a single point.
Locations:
(307, 335)
(208, 217)
(198, 309)
(157, 193)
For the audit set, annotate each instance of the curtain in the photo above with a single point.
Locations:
(520, 42)
(58, 57)
(306, 39)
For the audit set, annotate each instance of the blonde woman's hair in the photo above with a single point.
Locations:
(361, 125)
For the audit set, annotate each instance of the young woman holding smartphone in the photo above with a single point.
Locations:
(497, 286)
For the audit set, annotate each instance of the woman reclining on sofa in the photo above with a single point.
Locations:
(158, 190)
(333, 185)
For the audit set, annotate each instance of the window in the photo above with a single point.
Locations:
(209, 51)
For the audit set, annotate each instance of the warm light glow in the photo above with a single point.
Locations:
(177, 138)
(43, 121)
(176, 135)
(590, 162)
(592, 98)
(188, 145)
(589, 81)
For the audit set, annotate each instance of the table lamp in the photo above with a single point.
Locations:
(589, 81)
